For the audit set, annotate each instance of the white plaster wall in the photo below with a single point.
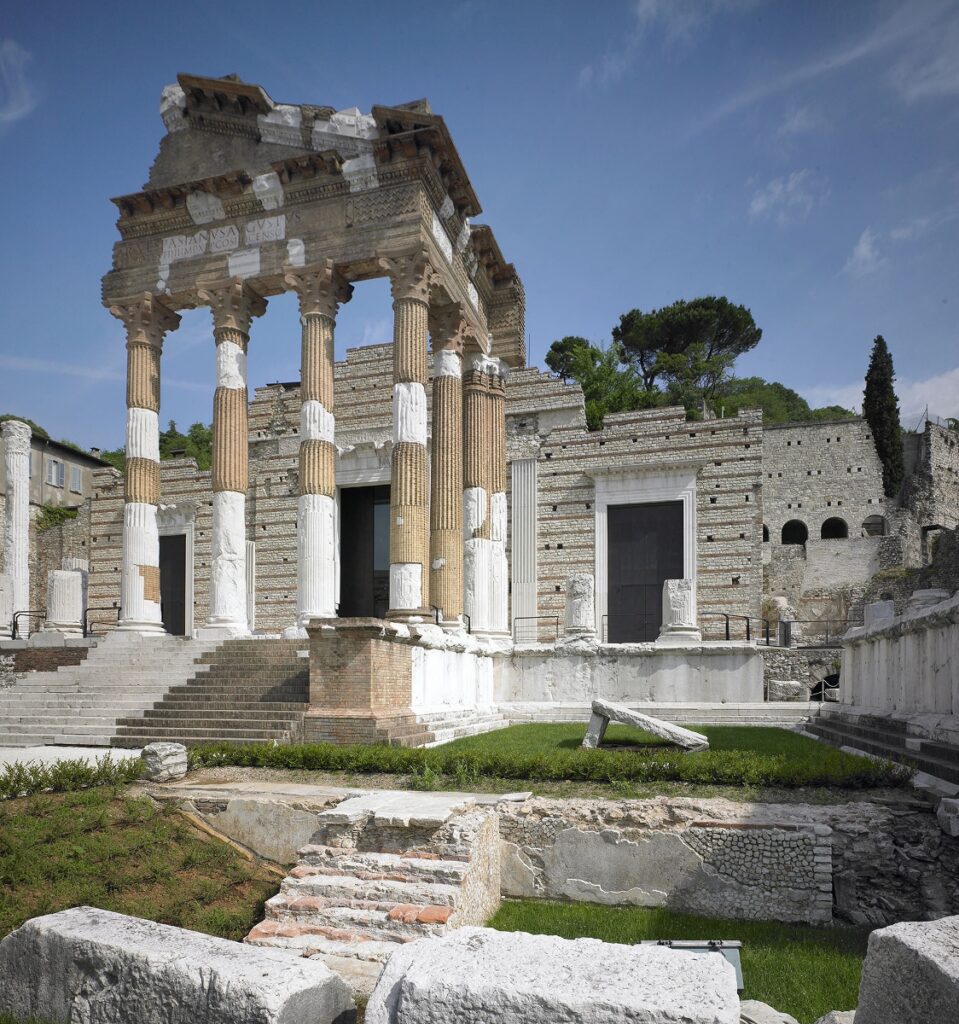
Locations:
(694, 673)
(909, 664)
(450, 679)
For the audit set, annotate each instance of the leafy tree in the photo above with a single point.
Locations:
(608, 381)
(196, 443)
(778, 403)
(880, 407)
(687, 348)
(567, 354)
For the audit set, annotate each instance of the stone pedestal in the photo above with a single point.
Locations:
(580, 607)
(679, 613)
(360, 682)
(16, 532)
(66, 601)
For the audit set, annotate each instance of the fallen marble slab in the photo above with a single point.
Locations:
(398, 807)
(477, 975)
(103, 968)
(911, 974)
(605, 711)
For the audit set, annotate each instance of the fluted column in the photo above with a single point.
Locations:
(446, 465)
(477, 488)
(409, 498)
(233, 304)
(499, 567)
(147, 320)
(321, 290)
(16, 532)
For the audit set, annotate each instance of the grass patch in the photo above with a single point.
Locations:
(739, 756)
(125, 854)
(798, 969)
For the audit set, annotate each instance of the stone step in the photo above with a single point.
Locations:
(248, 713)
(335, 860)
(307, 940)
(347, 888)
(377, 920)
(186, 706)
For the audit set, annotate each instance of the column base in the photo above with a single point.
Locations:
(411, 616)
(223, 631)
(145, 627)
(679, 637)
(295, 633)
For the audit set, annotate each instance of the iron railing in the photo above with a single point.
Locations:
(89, 623)
(36, 613)
(536, 629)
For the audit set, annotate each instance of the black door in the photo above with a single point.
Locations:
(364, 551)
(645, 547)
(173, 583)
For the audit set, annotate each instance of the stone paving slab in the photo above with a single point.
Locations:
(399, 808)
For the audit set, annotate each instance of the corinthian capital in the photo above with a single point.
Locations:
(448, 327)
(233, 303)
(410, 274)
(146, 319)
(321, 288)
(16, 436)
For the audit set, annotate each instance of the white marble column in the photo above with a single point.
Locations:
(477, 489)
(321, 290)
(234, 305)
(16, 533)
(499, 565)
(65, 609)
(147, 320)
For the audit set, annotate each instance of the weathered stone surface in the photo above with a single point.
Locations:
(911, 974)
(164, 762)
(878, 611)
(475, 975)
(947, 814)
(605, 711)
(787, 689)
(838, 1017)
(103, 968)
(752, 1011)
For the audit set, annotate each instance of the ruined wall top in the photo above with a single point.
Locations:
(244, 187)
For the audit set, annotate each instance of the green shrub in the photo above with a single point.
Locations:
(25, 779)
(53, 515)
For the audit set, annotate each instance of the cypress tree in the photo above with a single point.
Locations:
(880, 407)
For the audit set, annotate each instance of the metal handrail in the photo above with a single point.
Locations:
(14, 633)
(86, 618)
(537, 619)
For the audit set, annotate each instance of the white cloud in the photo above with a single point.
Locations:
(917, 227)
(676, 20)
(865, 258)
(376, 332)
(940, 394)
(17, 98)
(787, 199)
(931, 67)
(800, 121)
(94, 373)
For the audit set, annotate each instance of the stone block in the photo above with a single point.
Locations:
(475, 975)
(911, 973)
(580, 612)
(164, 762)
(605, 711)
(752, 1011)
(878, 611)
(99, 967)
(679, 614)
(66, 590)
(947, 814)
(921, 600)
(787, 689)
(838, 1017)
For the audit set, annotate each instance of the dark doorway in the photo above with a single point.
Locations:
(173, 583)
(645, 547)
(364, 551)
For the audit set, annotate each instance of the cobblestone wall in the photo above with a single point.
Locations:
(807, 665)
(932, 491)
(48, 548)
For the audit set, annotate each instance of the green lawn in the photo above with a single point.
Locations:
(99, 848)
(801, 970)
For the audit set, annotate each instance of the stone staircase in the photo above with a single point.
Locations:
(247, 690)
(80, 705)
(786, 714)
(884, 736)
(383, 869)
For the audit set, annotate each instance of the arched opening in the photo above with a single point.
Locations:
(834, 529)
(795, 532)
(874, 526)
(765, 534)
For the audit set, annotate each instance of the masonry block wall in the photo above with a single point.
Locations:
(932, 491)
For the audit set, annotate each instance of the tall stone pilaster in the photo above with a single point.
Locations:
(446, 466)
(146, 320)
(321, 290)
(16, 532)
(499, 567)
(234, 305)
(477, 488)
(409, 498)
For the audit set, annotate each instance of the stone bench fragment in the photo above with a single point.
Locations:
(911, 974)
(103, 968)
(477, 975)
(605, 711)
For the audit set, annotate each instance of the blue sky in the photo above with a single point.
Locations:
(800, 158)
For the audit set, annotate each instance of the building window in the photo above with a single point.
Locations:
(834, 529)
(76, 484)
(874, 526)
(795, 532)
(54, 472)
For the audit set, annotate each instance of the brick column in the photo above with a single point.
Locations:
(409, 498)
(446, 466)
(321, 290)
(233, 304)
(499, 567)
(147, 320)
(477, 463)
